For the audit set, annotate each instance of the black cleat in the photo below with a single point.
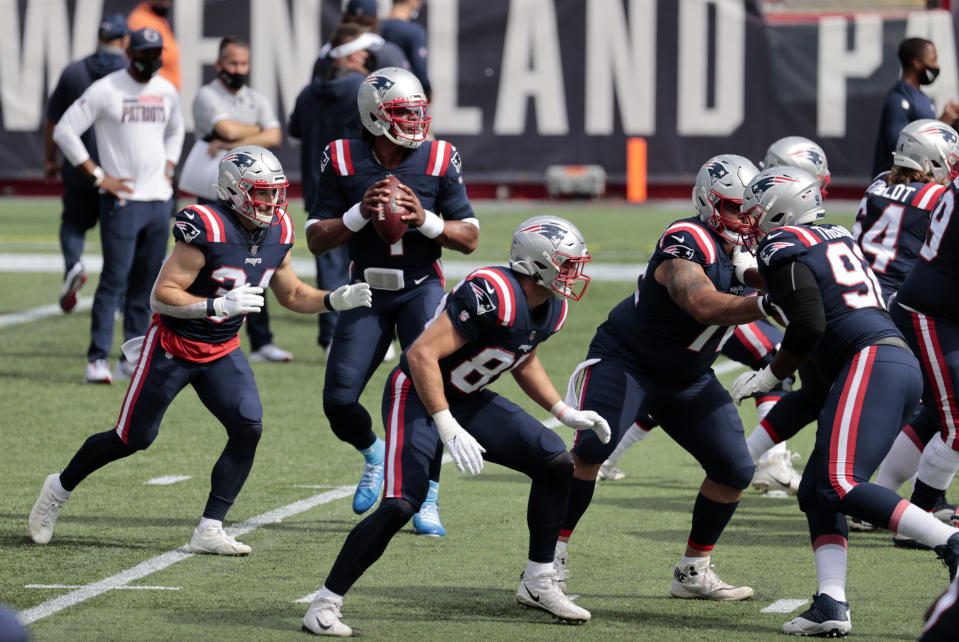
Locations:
(949, 554)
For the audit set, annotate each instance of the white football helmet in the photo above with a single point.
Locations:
(252, 180)
(929, 145)
(722, 179)
(392, 103)
(781, 196)
(796, 151)
(552, 251)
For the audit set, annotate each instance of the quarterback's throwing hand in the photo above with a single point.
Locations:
(463, 448)
(749, 384)
(585, 419)
(242, 299)
(347, 297)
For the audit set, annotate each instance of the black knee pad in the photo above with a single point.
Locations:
(397, 509)
(559, 468)
(248, 433)
(740, 478)
(350, 422)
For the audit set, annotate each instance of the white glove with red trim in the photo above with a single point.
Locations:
(582, 419)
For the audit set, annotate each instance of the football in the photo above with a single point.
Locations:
(388, 223)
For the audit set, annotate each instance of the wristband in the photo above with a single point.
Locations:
(353, 220)
(432, 225)
(210, 310)
(558, 408)
(97, 175)
(328, 301)
(446, 425)
(764, 304)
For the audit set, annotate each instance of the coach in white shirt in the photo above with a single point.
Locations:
(139, 138)
(228, 113)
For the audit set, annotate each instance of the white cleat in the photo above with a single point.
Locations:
(98, 371)
(72, 283)
(391, 353)
(541, 592)
(826, 618)
(323, 618)
(610, 472)
(860, 525)
(560, 557)
(271, 352)
(43, 515)
(214, 540)
(776, 472)
(698, 581)
(124, 370)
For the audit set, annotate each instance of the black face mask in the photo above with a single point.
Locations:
(161, 11)
(928, 75)
(233, 81)
(145, 68)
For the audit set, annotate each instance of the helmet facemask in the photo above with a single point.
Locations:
(263, 200)
(569, 280)
(409, 121)
(726, 218)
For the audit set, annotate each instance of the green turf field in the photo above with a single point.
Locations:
(115, 564)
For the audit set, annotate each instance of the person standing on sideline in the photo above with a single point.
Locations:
(155, 15)
(362, 13)
(906, 103)
(200, 298)
(228, 113)
(139, 138)
(410, 36)
(326, 110)
(81, 200)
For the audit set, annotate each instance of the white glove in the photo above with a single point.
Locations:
(347, 297)
(463, 448)
(242, 299)
(751, 383)
(582, 419)
(743, 260)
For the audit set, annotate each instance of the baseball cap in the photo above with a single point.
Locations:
(360, 8)
(113, 26)
(146, 38)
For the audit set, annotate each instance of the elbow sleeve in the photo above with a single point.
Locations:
(794, 287)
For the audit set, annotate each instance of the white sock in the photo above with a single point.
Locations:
(923, 527)
(58, 489)
(938, 464)
(534, 569)
(633, 434)
(759, 442)
(692, 560)
(204, 522)
(831, 570)
(778, 449)
(762, 409)
(900, 463)
(561, 547)
(325, 593)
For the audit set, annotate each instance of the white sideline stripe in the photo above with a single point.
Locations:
(42, 312)
(784, 606)
(728, 366)
(166, 480)
(126, 588)
(169, 558)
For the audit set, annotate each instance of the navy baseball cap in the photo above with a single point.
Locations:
(113, 26)
(361, 8)
(146, 38)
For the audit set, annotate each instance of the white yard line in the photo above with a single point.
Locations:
(166, 480)
(127, 588)
(42, 312)
(784, 606)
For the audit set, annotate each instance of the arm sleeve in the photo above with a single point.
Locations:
(793, 287)
(78, 118)
(173, 138)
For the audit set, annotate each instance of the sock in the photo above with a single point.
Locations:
(580, 494)
(759, 441)
(537, 568)
(921, 526)
(938, 464)
(561, 547)
(778, 449)
(925, 496)
(901, 462)
(709, 520)
(58, 489)
(634, 434)
(831, 569)
(325, 593)
(685, 561)
(204, 522)
(433, 493)
(376, 453)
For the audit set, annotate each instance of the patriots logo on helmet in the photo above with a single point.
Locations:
(947, 135)
(759, 187)
(382, 84)
(716, 170)
(809, 154)
(553, 233)
(767, 252)
(241, 160)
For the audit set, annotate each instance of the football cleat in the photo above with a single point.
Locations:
(698, 581)
(98, 371)
(949, 554)
(72, 283)
(776, 472)
(368, 490)
(610, 472)
(427, 521)
(270, 352)
(826, 618)
(43, 515)
(541, 592)
(560, 557)
(901, 541)
(943, 510)
(860, 525)
(323, 618)
(214, 540)
(124, 370)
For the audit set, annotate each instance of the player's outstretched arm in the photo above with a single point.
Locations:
(296, 295)
(695, 294)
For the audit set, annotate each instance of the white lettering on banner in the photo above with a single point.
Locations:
(195, 51)
(283, 52)
(46, 39)
(443, 33)
(620, 58)
(531, 68)
(86, 23)
(837, 63)
(936, 25)
(694, 116)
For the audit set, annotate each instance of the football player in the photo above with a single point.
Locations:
(655, 353)
(817, 276)
(223, 258)
(407, 277)
(491, 323)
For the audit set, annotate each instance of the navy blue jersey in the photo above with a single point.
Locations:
(891, 226)
(856, 315)
(932, 285)
(234, 256)
(490, 310)
(411, 38)
(655, 332)
(904, 104)
(348, 168)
